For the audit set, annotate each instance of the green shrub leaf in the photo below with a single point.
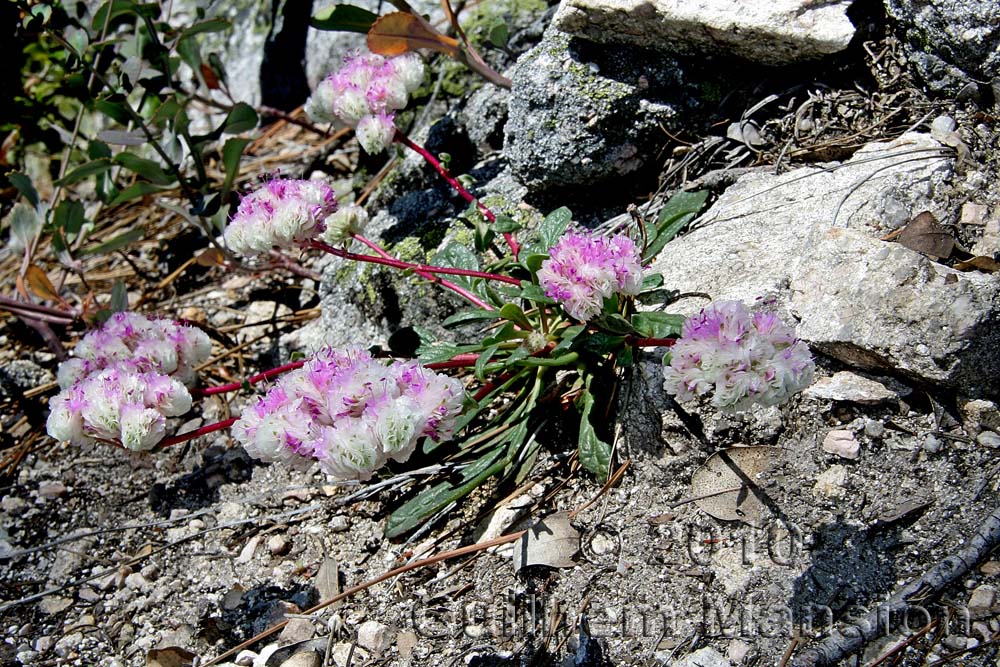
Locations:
(345, 18)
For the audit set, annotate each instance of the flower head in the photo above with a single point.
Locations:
(744, 358)
(375, 132)
(279, 215)
(343, 224)
(351, 413)
(140, 343)
(583, 269)
(118, 403)
(365, 93)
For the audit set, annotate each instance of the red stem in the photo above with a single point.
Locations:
(190, 435)
(458, 361)
(389, 260)
(420, 269)
(253, 379)
(458, 187)
(651, 342)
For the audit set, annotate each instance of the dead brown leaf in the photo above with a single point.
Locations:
(40, 284)
(553, 541)
(925, 235)
(172, 656)
(399, 32)
(978, 263)
(210, 257)
(208, 74)
(726, 486)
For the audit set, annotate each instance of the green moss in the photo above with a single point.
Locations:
(457, 80)
(463, 235)
(411, 249)
(478, 22)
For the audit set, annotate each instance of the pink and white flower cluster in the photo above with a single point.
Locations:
(584, 269)
(127, 377)
(279, 215)
(744, 357)
(351, 413)
(365, 94)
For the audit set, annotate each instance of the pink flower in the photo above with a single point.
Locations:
(351, 413)
(365, 93)
(120, 404)
(744, 358)
(144, 344)
(584, 269)
(279, 215)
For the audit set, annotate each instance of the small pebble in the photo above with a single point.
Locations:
(988, 439)
(303, 659)
(932, 445)
(874, 428)
(375, 636)
(990, 567)
(43, 644)
(68, 644)
(245, 658)
(136, 582)
(830, 483)
(737, 651)
(842, 443)
(338, 524)
(981, 601)
(278, 545)
(51, 490)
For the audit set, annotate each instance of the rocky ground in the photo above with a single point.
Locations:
(869, 480)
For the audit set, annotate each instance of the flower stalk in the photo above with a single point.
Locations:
(401, 138)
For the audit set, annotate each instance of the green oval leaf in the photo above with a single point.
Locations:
(240, 119)
(85, 170)
(654, 324)
(231, 153)
(148, 169)
(24, 186)
(345, 18)
(595, 454)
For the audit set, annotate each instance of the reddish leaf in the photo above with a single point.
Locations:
(40, 284)
(210, 257)
(399, 32)
(208, 74)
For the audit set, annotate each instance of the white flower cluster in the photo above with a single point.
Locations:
(744, 358)
(279, 215)
(156, 345)
(128, 376)
(365, 93)
(118, 404)
(344, 223)
(351, 413)
(584, 269)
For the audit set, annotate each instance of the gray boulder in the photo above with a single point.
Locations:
(808, 241)
(580, 113)
(950, 42)
(773, 33)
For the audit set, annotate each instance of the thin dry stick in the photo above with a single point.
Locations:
(455, 553)
(903, 644)
(837, 646)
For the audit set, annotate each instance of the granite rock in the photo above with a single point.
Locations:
(567, 105)
(776, 32)
(807, 242)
